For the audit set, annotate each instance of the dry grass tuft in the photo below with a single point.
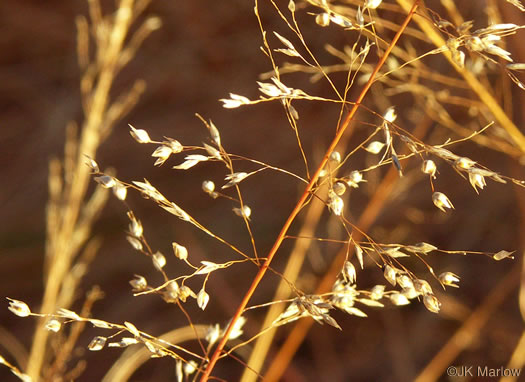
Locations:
(417, 94)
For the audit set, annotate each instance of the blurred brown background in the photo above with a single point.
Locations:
(205, 50)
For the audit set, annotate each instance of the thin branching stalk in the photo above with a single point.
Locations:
(364, 222)
(476, 86)
(304, 197)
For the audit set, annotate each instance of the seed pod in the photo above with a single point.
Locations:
(503, 255)
(359, 255)
(202, 299)
(464, 163)
(53, 325)
(335, 204)
(390, 274)
(159, 261)
(139, 283)
(106, 181)
(141, 136)
(375, 147)
(399, 299)
(97, 343)
(208, 186)
(19, 308)
(431, 303)
(476, 180)
(441, 201)
(339, 188)
(349, 272)
(429, 167)
(376, 293)
(335, 156)
(449, 278)
(180, 251)
(323, 19)
(390, 114)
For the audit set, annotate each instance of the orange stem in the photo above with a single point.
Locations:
(372, 210)
(302, 200)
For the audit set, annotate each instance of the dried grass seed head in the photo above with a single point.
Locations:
(237, 328)
(354, 179)
(410, 293)
(214, 133)
(441, 201)
(175, 146)
(185, 292)
(100, 323)
(172, 291)
(476, 180)
(66, 313)
(372, 4)
(135, 226)
(245, 211)
(124, 342)
(190, 367)
(322, 19)
(162, 152)
(422, 286)
(135, 243)
(234, 101)
(139, 283)
(149, 191)
(18, 307)
(208, 186)
(431, 303)
(377, 292)
(459, 58)
(202, 299)
(212, 334)
(120, 191)
(92, 164)
(269, 90)
(234, 179)
(335, 157)
(503, 255)
(340, 20)
(159, 261)
(516, 66)
(53, 325)
(335, 203)
(390, 274)
(404, 281)
(106, 181)
(212, 151)
(359, 18)
(449, 278)
(141, 136)
(190, 161)
(421, 248)
(399, 299)
(429, 167)
(359, 255)
(375, 147)
(390, 114)
(464, 163)
(339, 188)
(180, 251)
(349, 272)
(97, 343)
(394, 252)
